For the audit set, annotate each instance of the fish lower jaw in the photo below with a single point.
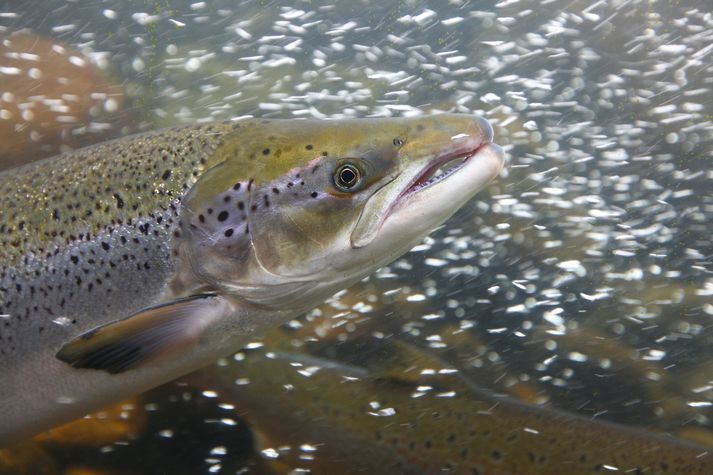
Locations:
(417, 214)
(438, 172)
(462, 175)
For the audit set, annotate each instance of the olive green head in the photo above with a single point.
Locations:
(293, 210)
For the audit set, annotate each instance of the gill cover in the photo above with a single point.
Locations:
(270, 220)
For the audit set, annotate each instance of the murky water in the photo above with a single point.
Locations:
(582, 280)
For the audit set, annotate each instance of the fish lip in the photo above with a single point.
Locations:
(422, 180)
(468, 149)
(473, 141)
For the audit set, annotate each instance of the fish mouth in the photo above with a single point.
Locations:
(441, 181)
(440, 168)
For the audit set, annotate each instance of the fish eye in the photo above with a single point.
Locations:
(347, 177)
(398, 142)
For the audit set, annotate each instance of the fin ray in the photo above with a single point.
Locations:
(148, 334)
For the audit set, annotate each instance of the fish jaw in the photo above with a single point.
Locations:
(420, 198)
(426, 206)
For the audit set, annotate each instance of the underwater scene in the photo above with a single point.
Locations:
(559, 322)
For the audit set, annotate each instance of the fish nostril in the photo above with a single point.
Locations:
(486, 129)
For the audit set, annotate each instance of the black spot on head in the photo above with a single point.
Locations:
(105, 246)
(201, 218)
(241, 205)
(226, 199)
(236, 186)
(223, 215)
(314, 194)
(228, 232)
(276, 191)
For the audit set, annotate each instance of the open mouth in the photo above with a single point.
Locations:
(440, 169)
(454, 163)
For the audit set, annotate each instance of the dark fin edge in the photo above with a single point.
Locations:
(145, 335)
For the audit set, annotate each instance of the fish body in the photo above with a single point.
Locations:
(359, 420)
(127, 264)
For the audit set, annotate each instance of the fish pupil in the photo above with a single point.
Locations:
(347, 176)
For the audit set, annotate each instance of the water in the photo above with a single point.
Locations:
(582, 279)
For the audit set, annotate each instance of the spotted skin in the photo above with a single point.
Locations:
(246, 212)
(106, 237)
(450, 428)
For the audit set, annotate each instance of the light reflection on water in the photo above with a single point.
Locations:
(583, 277)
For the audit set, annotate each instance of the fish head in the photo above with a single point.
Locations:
(293, 211)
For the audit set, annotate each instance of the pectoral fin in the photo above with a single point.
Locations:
(148, 334)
